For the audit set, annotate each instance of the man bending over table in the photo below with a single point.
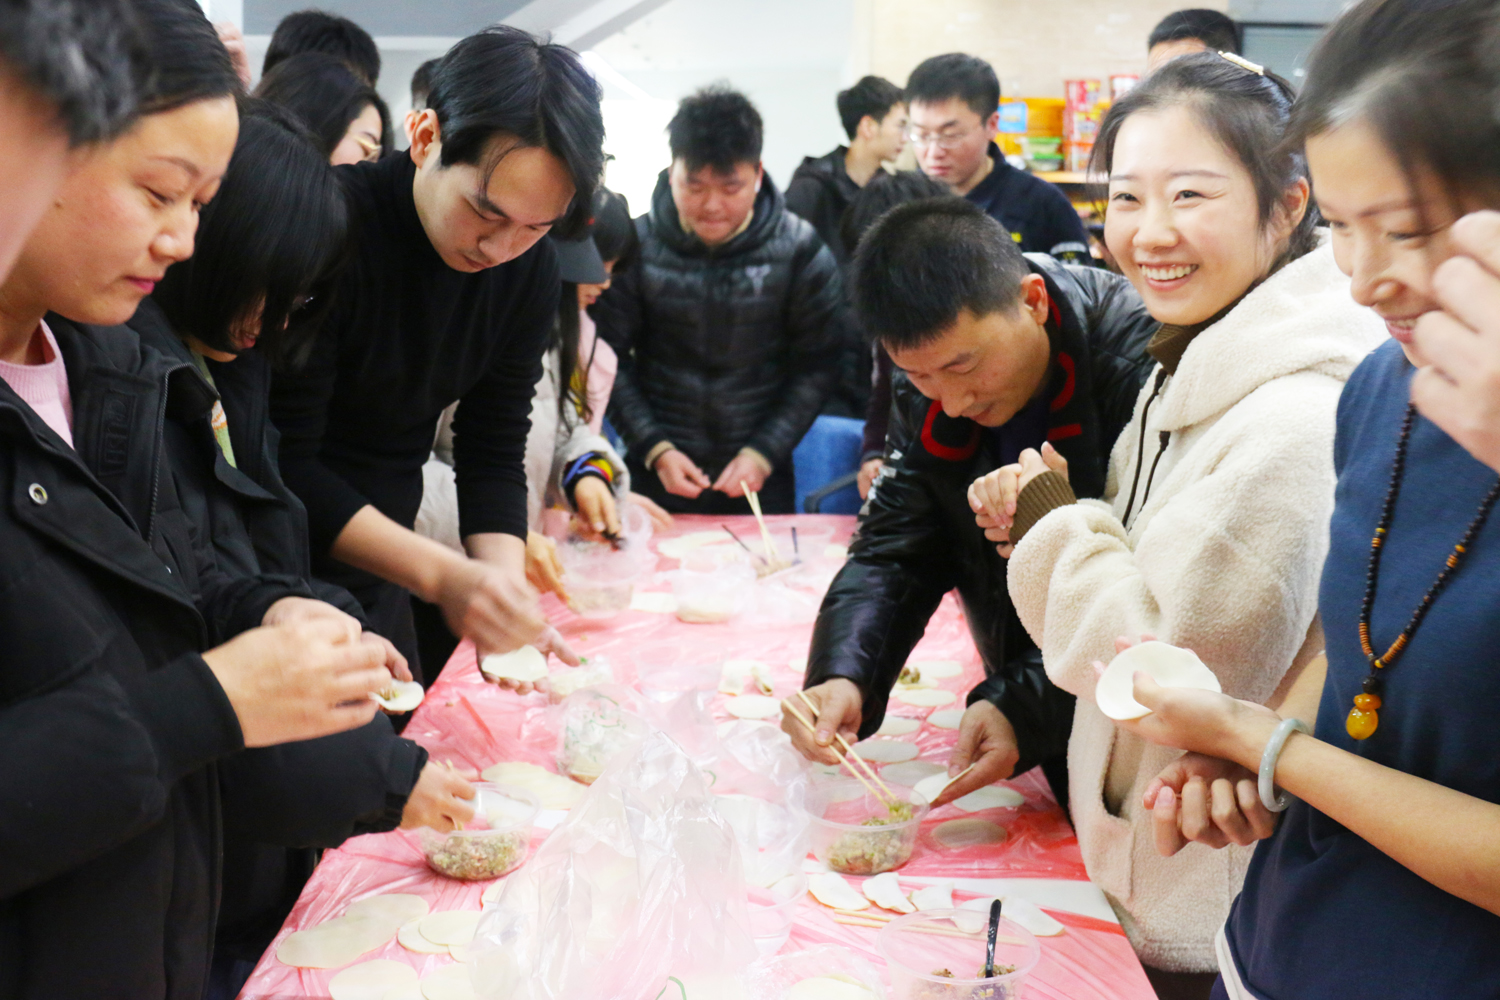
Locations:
(996, 351)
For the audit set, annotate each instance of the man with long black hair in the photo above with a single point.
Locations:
(449, 297)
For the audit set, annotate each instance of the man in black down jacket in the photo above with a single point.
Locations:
(114, 722)
(728, 324)
(996, 351)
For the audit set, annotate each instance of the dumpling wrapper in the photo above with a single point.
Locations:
(553, 791)
(957, 833)
(924, 697)
(909, 772)
(938, 669)
(372, 980)
(449, 983)
(399, 907)
(753, 706)
(460, 952)
(798, 664)
(934, 897)
(1168, 665)
(527, 665)
(898, 725)
(1019, 909)
(833, 890)
(835, 551)
(948, 718)
(990, 797)
(412, 992)
(932, 786)
(884, 890)
(653, 602)
(828, 988)
(334, 943)
(733, 675)
(450, 927)
(404, 696)
(410, 937)
(884, 751)
(676, 548)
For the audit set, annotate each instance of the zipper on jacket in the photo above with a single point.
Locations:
(1140, 448)
(1161, 449)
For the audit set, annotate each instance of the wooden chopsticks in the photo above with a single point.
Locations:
(880, 796)
(773, 556)
(885, 795)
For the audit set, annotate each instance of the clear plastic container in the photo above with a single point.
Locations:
(855, 834)
(939, 955)
(709, 591)
(594, 729)
(494, 843)
(772, 910)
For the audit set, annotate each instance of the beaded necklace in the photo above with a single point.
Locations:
(1363, 717)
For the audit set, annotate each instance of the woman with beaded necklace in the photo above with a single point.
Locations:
(1383, 876)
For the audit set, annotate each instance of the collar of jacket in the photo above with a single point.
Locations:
(830, 170)
(119, 394)
(1171, 340)
(1300, 319)
(666, 226)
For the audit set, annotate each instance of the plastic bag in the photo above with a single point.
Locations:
(594, 728)
(771, 977)
(641, 883)
(760, 788)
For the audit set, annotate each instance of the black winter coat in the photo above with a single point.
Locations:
(820, 191)
(725, 347)
(917, 538)
(112, 724)
(281, 803)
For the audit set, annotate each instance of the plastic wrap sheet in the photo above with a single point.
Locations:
(474, 724)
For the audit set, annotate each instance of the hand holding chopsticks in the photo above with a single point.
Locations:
(879, 789)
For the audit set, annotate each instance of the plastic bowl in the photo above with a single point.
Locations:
(919, 945)
(845, 840)
(772, 911)
(494, 843)
(721, 594)
(600, 580)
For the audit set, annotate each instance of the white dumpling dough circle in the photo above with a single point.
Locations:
(884, 751)
(410, 937)
(527, 664)
(371, 980)
(957, 833)
(449, 983)
(898, 725)
(1020, 910)
(1168, 665)
(753, 706)
(937, 669)
(990, 797)
(909, 772)
(450, 927)
(925, 697)
(831, 889)
(948, 718)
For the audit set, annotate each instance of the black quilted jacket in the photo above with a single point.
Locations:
(917, 538)
(723, 347)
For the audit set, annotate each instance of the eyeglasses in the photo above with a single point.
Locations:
(945, 140)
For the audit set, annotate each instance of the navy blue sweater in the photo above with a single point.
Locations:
(1037, 214)
(1323, 913)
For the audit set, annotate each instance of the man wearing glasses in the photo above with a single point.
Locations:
(954, 106)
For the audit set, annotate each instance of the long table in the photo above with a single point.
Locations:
(473, 724)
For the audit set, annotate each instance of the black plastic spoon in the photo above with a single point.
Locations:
(989, 950)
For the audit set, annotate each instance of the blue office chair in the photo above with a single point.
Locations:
(826, 465)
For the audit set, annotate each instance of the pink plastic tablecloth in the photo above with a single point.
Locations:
(474, 724)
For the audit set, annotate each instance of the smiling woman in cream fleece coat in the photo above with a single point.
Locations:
(1221, 554)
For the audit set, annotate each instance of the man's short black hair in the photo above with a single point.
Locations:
(421, 83)
(505, 82)
(925, 262)
(320, 31)
(81, 56)
(874, 96)
(1211, 27)
(717, 127)
(955, 74)
(883, 193)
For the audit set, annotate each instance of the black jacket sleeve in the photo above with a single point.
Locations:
(1121, 329)
(620, 317)
(878, 415)
(299, 406)
(319, 793)
(815, 331)
(69, 798)
(1040, 712)
(1063, 231)
(494, 417)
(898, 571)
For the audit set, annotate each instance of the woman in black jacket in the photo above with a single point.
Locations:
(268, 250)
(114, 710)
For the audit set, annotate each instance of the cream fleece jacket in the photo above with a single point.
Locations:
(1222, 556)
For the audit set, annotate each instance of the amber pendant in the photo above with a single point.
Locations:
(1363, 718)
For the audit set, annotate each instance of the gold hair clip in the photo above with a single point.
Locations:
(1244, 63)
